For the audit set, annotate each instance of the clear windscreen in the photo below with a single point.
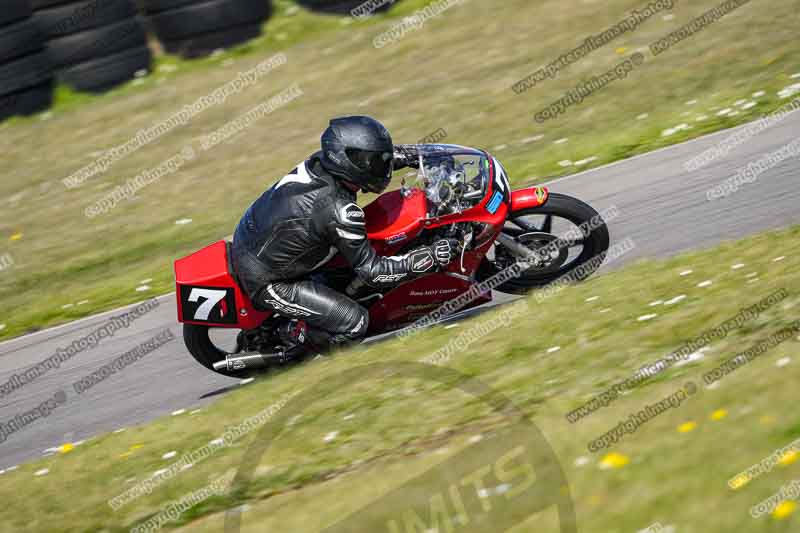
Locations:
(452, 181)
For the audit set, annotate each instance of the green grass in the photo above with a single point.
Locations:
(392, 429)
(454, 73)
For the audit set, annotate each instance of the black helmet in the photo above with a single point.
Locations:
(359, 150)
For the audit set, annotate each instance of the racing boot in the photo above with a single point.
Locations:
(293, 335)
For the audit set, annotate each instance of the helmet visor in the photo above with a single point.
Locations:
(377, 164)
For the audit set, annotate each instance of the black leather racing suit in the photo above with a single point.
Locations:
(294, 228)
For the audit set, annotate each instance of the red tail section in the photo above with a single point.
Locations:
(208, 294)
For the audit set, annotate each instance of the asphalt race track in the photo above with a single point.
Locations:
(662, 208)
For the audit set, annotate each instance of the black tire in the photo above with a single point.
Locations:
(207, 17)
(24, 72)
(596, 245)
(81, 16)
(102, 74)
(19, 39)
(44, 4)
(99, 42)
(14, 10)
(202, 45)
(157, 6)
(28, 101)
(339, 7)
(203, 350)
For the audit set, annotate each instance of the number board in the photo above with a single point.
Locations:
(208, 304)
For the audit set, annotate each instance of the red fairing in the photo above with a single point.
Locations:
(208, 294)
(418, 298)
(530, 197)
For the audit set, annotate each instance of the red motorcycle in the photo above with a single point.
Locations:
(458, 192)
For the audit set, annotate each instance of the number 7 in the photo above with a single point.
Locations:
(211, 297)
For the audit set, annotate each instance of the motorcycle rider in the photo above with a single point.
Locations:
(302, 221)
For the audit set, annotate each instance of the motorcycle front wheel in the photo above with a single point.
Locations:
(535, 228)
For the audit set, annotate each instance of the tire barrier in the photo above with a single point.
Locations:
(42, 4)
(13, 11)
(76, 17)
(193, 28)
(26, 72)
(94, 45)
(106, 72)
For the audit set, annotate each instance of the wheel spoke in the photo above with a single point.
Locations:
(547, 225)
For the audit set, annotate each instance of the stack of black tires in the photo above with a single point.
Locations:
(94, 45)
(195, 28)
(26, 75)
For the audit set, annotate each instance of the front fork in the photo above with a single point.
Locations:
(534, 257)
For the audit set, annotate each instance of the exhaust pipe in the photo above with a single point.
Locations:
(234, 363)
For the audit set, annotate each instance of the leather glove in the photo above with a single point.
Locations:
(445, 250)
(436, 256)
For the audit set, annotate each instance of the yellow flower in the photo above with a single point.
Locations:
(719, 414)
(614, 460)
(17, 236)
(621, 50)
(788, 458)
(784, 509)
(66, 447)
(767, 419)
(137, 446)
(686, 427)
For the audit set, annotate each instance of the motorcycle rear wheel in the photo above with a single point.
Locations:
(594, 246)
(205, 352)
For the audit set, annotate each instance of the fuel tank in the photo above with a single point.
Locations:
(393, 219)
